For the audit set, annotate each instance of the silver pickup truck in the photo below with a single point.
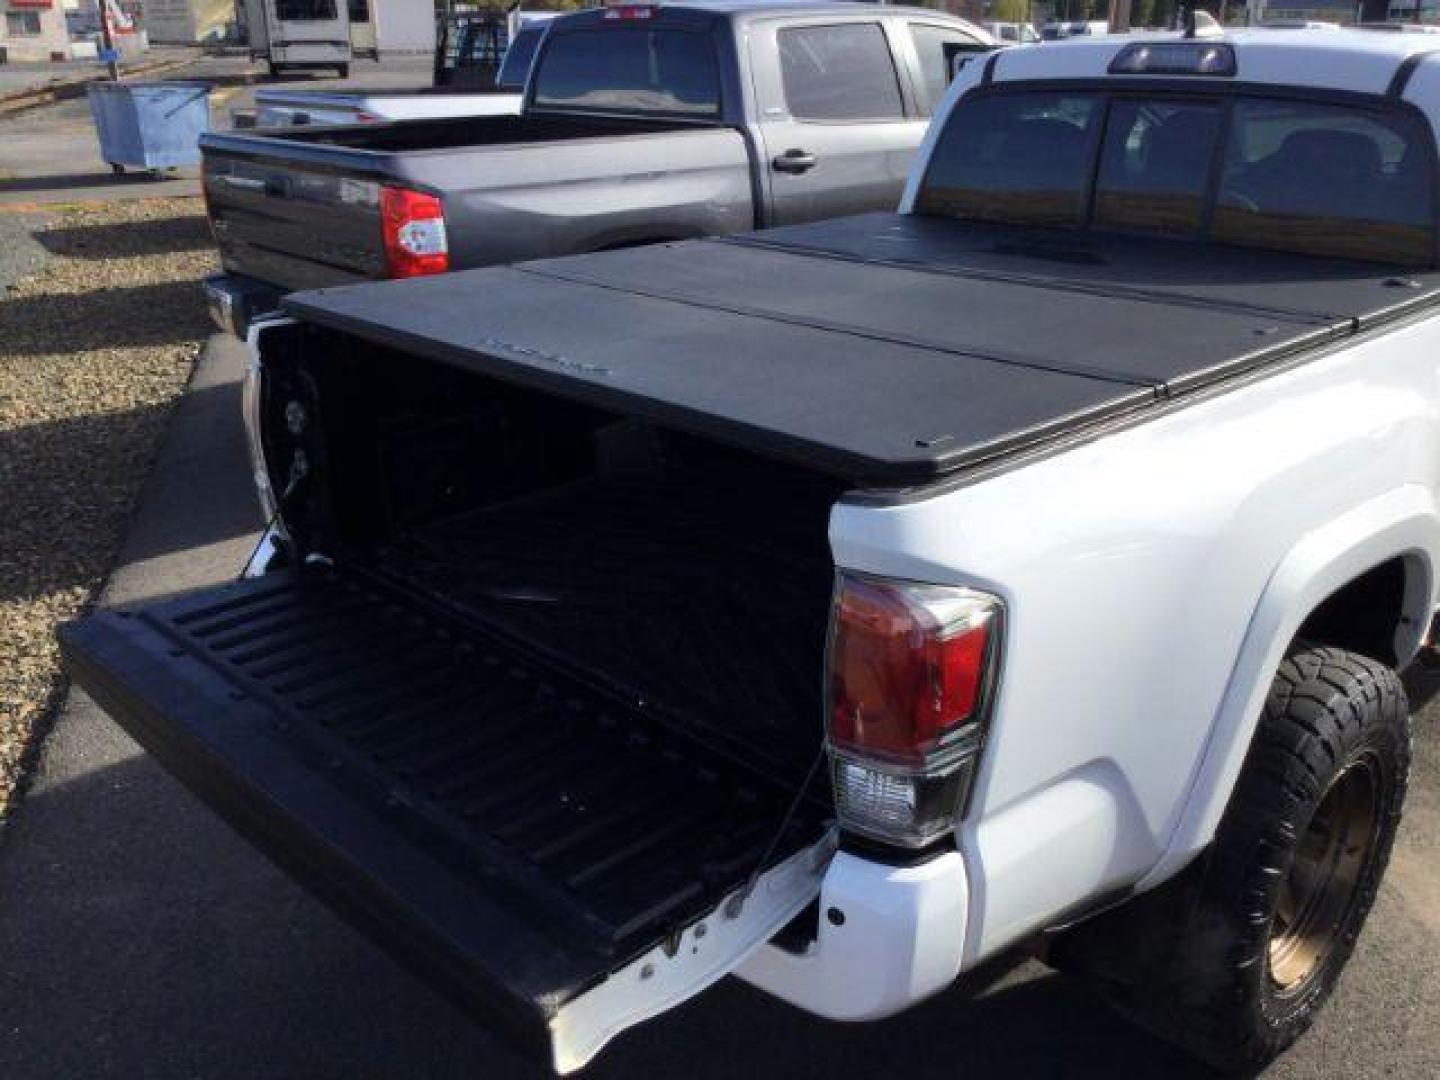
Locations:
(640, 124)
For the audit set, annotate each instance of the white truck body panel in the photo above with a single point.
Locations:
(899, 941)
(1188, 518)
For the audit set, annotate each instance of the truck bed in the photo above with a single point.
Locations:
(298, 207)
(888, 350)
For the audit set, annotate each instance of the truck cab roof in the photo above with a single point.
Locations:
(746, 10)
(1346, 60)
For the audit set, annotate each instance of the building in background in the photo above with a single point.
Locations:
(33, 30)
(189, 22)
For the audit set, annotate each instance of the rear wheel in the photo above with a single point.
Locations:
(1234, 960)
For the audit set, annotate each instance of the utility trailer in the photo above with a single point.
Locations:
(300, 34)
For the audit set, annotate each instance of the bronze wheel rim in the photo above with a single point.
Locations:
(1320, 886)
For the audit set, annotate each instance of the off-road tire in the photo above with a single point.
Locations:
(1193, 961)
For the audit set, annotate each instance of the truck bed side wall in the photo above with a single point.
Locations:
(1148, 578)
(584, 195)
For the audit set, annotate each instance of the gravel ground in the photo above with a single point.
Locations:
(20, 252)
(94, 348)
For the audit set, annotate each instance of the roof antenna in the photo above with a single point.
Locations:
(1199, 23)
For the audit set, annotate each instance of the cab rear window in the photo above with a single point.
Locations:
(1014, 157)
(1328, 181)
(1317, 178)
(630, 70)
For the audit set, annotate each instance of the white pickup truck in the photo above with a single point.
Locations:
(842, 605)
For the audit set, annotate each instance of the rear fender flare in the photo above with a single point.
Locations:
(1405, 523)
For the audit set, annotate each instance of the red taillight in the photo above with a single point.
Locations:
(908, 667)
(912, 674)
(413, 226)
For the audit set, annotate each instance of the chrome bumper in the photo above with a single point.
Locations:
(235, 302)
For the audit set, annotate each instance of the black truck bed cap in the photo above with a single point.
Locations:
(886, 349)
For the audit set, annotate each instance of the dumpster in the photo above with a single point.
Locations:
(150, 125)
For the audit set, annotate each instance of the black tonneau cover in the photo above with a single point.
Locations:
(887, 349)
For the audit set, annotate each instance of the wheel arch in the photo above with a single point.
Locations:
(1389, 546)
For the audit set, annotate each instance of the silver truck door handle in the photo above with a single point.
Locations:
(245, 182)
(795, 161)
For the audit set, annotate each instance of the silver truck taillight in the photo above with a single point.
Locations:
(912, 671)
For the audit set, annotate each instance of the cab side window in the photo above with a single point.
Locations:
(842, 72)
(938, 47)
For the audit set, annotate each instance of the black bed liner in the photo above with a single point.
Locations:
(508, 829)
(592, 575)
(885, 349)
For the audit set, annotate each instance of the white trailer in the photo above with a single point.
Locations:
(293, 34)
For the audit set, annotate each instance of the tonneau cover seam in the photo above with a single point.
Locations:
(1114, 292)
(825, 326)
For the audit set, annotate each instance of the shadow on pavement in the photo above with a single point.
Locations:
(165, 313)
(157, 944)
(80, 180)
(1422, 680)
(125, 239)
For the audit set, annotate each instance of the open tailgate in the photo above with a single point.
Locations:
(556, 862)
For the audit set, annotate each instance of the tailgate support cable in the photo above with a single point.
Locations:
(737, 902)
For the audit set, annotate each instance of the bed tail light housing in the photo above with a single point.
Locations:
(912, 672)
(1175, 58)
(413, 225)
(630, 11)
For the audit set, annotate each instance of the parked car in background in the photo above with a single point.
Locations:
(1013, 33)
(845, 605)
(641, 124)
(1094, 28)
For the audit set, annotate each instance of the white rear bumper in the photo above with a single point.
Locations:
(889, 936)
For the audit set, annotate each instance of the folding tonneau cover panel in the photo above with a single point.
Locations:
(888, 350)
(1208, 276)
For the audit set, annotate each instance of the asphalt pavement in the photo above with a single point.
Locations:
(140, 938)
